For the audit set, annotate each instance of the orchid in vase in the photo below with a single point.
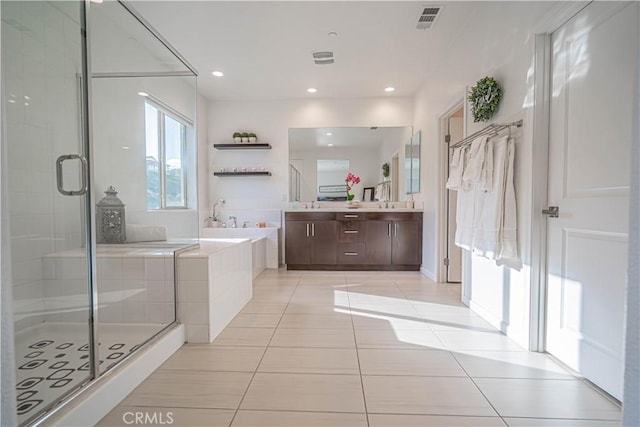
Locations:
(351, 180)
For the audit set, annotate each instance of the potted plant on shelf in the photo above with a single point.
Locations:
(252, 137)
(237, 137)
(245, 137)
(351, 180)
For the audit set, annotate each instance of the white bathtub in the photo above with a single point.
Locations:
(270, 235)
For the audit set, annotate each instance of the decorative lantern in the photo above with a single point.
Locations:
(110, 221)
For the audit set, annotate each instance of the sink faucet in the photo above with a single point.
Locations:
(234, 224)
(244, 224)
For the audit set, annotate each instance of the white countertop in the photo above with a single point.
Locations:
(345, 209)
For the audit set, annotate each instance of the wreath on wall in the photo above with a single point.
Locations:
(484, 98)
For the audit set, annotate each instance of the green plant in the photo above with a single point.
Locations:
(237, 135)
(385, 169)
(484, 98)
(244, 135)
(252, 135)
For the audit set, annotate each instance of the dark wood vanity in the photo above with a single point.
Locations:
(353, 240)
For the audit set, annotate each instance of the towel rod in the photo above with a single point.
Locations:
(493, 127)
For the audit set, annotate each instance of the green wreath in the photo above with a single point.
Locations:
(484, 98)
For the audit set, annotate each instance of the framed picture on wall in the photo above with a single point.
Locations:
(367, 194)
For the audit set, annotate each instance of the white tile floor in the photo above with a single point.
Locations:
(337, 349)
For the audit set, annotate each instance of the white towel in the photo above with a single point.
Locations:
(486, 174)
(508, 254)
(146, 233)
(475, 163)
(489, 206)
(456, 168)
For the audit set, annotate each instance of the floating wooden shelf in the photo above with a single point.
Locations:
(249, 146)
(242, 173)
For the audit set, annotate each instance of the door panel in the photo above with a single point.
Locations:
(454, 252)
(297, 242)
(594, 66)
(324, 235)
(378, 242)
(406, 248)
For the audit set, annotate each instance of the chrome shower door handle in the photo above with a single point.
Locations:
(84, 175)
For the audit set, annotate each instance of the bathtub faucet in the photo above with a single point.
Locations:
(234, 224)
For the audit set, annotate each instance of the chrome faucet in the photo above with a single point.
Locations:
(234, 224)
(244, 224)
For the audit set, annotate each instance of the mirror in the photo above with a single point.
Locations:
(412, 164)
(321, 158)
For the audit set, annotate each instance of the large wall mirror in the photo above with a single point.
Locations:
(320, 159)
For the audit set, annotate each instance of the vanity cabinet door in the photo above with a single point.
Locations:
(378, 242)
(407, 242)
(324, 241)
(297, 242)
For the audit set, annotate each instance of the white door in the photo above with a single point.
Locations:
(454, 252)
(594, 70)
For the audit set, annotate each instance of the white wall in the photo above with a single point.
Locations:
(271, 121)
(499, 294)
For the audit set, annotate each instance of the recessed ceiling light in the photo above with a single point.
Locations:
(125, 147)
(13, 101)
(330, 145)
(143, 94)
(217, 73)
(312, 90)
(389, 89)
(328, 134)
(332, 34)
(27, 98)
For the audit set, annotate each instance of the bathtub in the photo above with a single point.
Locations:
(269, 243)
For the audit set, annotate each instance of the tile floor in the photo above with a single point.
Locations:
(338, 349)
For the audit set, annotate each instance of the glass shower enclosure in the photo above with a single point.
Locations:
(81, 84)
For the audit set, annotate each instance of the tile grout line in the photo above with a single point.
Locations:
(355, 342)
(262, 357)
(478, 388)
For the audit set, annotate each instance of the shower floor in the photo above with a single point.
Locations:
(53, 358)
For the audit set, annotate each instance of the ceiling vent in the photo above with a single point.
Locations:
(428, 17)
(323, 58)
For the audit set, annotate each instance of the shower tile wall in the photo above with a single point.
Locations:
(134, 289)
(40, 54)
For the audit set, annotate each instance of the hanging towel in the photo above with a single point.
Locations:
(456, 168)
(508, 254)
(464, 217)
(489, 206)
(475, 163)
(485, 182)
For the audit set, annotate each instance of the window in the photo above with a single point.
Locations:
(166, 137)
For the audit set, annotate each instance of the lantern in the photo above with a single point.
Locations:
(110, 220)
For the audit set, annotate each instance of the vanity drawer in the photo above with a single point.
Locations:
(351, 253)
(350, 216)
(351, 231)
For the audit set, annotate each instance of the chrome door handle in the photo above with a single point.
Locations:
(350, 231)
(395, 229)
(313, 230)
(84, 175)
(307, 230)
(350, 216)
(351, 253)
(389, 230)
(551, 212)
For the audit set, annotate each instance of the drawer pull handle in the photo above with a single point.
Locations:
(350, 231)
(351, 216)
(351, 253)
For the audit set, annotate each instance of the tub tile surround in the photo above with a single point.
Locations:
(215, 283)
(291, 370)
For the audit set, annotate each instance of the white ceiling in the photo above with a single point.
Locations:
(301, 139)
(264, 47)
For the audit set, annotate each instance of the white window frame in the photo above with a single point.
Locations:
(165, 110)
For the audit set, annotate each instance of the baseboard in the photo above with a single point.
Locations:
(513, 333)
(428, 274)
(89, 408)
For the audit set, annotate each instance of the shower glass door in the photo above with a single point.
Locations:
(43, 67)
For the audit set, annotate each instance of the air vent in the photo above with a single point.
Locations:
(428, 17)
(323, 58)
